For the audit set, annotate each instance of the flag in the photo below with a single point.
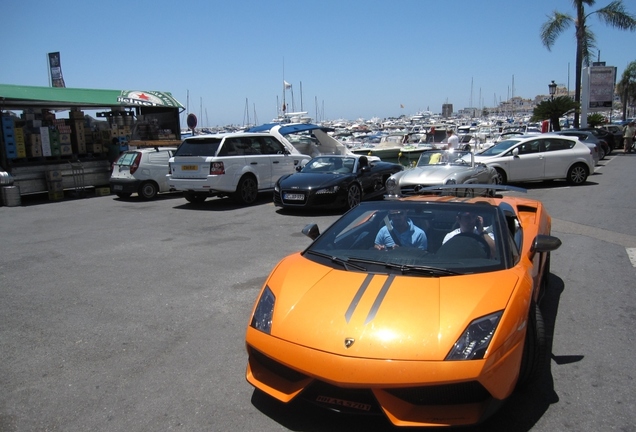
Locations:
(57, 80)
(287, 85)
(284, 107)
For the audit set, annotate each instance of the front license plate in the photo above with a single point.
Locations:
(189, 167)
(117, 187)
(294, 197)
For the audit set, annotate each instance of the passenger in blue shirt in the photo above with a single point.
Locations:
(405, 233)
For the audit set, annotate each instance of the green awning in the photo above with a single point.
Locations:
(21, 97)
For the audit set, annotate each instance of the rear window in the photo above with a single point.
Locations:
(198, 147)
(127, 159)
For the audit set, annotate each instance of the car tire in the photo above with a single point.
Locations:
(577, 174)
(501, 176)
(602, 153)
(246, 191)
(148, 190)
(533, 360)
(194, 198)
(354, 195)
(124, 195)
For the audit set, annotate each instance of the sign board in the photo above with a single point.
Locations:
(602, 83)
(191, 121)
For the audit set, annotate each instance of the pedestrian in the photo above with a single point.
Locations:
(453, 140)
(628, 136)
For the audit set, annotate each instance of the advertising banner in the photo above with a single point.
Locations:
(57, 80)
(602, 83)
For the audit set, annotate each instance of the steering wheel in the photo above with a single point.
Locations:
(477, 238)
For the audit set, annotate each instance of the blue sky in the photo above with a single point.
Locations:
(352, 59)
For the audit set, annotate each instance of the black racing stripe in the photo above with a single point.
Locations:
(378, 300)
(358, 296)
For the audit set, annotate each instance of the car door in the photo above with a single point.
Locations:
(370, 178)
(158, 168)
(280, 161)
(529, 163)
(252, 159)
(558, 157)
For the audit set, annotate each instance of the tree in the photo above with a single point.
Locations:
(596, 119)
(553, 110)
(626, 87)
(614, 15)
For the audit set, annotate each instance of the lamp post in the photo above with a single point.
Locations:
(552, 88)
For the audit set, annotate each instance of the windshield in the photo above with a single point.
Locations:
(444, 157)
(198, 147)
(416, 238)
(499, 148)
(330, 164)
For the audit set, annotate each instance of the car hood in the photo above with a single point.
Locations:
(386, 316)
(428, 174)
(310, 180)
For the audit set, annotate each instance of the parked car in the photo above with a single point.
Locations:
(605, 137)
(539, 157)
(617, 132)
(141, 171)
(438, 167)
(334, 181)
(587, 137)
(434, 337)
(239, 165)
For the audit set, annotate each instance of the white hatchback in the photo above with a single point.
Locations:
(239, 165)
(539, 157)
(141, 171)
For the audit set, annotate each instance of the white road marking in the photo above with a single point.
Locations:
(631, 253)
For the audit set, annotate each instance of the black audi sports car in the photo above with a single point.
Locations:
(334, 181)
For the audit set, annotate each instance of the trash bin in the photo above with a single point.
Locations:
(11, 196)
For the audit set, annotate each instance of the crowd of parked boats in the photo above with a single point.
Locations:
(400, 140)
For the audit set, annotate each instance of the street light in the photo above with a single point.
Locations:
(552, 87)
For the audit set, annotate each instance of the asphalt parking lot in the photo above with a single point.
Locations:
(124, 315)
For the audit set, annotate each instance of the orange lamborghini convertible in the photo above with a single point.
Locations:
(423, 309)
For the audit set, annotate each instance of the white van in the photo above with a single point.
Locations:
(141, 171)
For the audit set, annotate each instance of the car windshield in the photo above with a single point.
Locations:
(205, 146)
(330, 164)
(414, 238)
(444, 157)
(499, 148)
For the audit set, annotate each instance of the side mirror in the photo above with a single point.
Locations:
(311, 231)
(544, 243)
(298, 168)
(515, 152)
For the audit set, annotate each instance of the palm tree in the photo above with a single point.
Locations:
(626, 87)
(614, 14)
(553, 110)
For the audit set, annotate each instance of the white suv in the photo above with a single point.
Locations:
(239, 165)
(141, 171)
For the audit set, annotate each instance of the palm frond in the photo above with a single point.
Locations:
(615, 15)
(551, 29)
(588, 45)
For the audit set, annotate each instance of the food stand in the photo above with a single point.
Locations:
(50, 143)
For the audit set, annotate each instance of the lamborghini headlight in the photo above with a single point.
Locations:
(262, 319)
(329, 190)
(474, 342)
